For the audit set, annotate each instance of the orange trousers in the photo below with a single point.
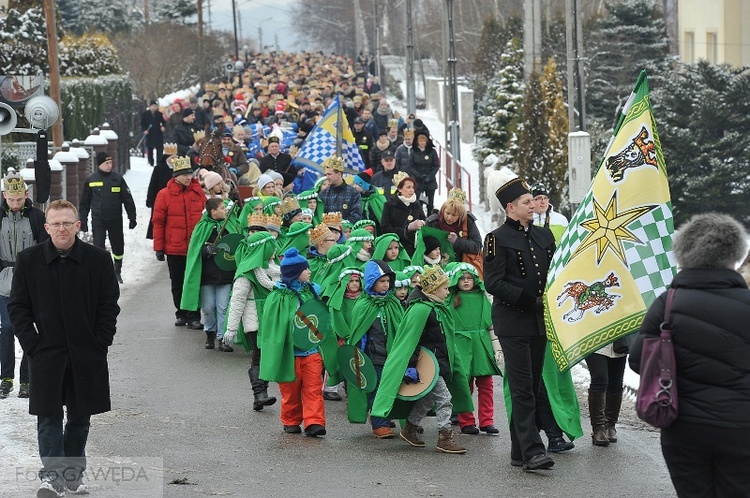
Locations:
(302, 399)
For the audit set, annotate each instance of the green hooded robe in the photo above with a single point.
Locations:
(381, 245)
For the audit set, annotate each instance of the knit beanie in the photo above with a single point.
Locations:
(292, 266)
(211, 179)
(101, 157)
(264, 180)
(430, 244)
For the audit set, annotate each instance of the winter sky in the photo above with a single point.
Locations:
(273, 16)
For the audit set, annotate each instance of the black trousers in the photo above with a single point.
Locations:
(705, 461)
(606, 373)
(100, 229)
(544, 413)
(524, 359)
(176, 265)
(151, 146)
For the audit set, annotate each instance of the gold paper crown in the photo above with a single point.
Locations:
(14, 184)
(273, 221)
(170, 149)
(289, 204)
(181, 164)
(432, 278)
(458, 195)
(333, 219)
(199, 135)
(399, 177)
(319, 233)
(408, 133)
(393, 123)
(256, 220)
(334, 162)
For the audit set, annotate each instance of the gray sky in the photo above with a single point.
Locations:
(273, 16)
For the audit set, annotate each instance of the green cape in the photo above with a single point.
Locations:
(270, 203)
(473, 319)
(247, 209)
(386, 405)
(338, 257)
(304, 201)
(562, 397)
(191, 286)
(275, 335)
(365, 312)
(297, 237)
(372, 206)
(336, 299)
(445, 246)
(381, 245)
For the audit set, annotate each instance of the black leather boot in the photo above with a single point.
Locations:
(210, 340)
(260, 390)
(612, 414)
(118, 270)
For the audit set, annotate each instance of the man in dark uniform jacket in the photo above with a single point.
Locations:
(364, 140)
(517, 256)
(153, 127)
(281, 162)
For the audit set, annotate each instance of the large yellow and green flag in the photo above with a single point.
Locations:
(615, 257)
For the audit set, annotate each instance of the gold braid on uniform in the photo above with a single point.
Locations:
(490, 251)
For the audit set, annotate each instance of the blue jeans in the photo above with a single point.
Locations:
(63, 453)
(214, 304)
(8, 347)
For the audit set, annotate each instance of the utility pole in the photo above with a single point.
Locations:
(411, 104)
(234, 23)
(574, 46)
(454, 142)
(260, 39)
(145, 12)
(200, 40)
(377, 45)
(532, 37)
(357, 21)
(54, 68)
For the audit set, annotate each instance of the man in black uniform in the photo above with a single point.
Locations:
(517, 256)
(153, 126)
(281, 162)
(364, 140)
(183, 132)
(104, 194)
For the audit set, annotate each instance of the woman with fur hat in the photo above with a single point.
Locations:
(707, 448)
(253, 281)
(424, 164)
(376, 317)
(403, 214)
(299, 373)
(428, 323)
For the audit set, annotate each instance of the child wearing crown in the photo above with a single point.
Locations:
(461, 226)
(254, 279)
(376, 318)
(321, 240)
(428, 324)
(476, 342)
(299, 373)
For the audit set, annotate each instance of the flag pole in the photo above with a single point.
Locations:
(339, 131)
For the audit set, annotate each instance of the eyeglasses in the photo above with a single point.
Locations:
(467, 279)
(64, 224)
(331, 240)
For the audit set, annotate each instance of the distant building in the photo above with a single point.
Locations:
(717, 31)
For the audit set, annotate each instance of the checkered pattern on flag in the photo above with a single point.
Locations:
(615, 257)
(330, 132)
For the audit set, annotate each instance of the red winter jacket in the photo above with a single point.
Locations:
(176, 211)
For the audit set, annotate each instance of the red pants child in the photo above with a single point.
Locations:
(485, 405)
(302, 399)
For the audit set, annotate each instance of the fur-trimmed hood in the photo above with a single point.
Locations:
(711, 240)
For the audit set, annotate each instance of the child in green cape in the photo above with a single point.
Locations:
(299, 373)
(376, 317)
(251, 205)
(401, 288)
(309, 200)
(428, 323)
(413, 272)
(338, 257)
(427, 251)
(272, 205)
(476, 342)
(296, 236)
(389, 249)
(253, 280)
(206, 286)
(368, 225)
(321, 240)
(341, 302)
(361, 241)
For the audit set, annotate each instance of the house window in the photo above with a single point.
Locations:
(689, 50)
(711, 47)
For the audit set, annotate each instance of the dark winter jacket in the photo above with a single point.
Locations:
(153, 123)
(384, 180)
(176, 211)
(343, 198)
(282, 163)
(364, 142)
(516, 262)
(376, 154)
(105, 194)
(424, 165)
(402, 157)
(470, 242)
(396, 216)
(432, 338)
(211, 274)
(74, 327)
(710, 315)
(183, 137)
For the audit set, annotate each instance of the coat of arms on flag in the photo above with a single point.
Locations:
(615, 257)
(330, 136)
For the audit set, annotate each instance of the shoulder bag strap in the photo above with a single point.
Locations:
(666, 326)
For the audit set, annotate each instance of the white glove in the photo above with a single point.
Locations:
(495, 347)
(229, 337)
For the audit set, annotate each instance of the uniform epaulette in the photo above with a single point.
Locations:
(489, 247)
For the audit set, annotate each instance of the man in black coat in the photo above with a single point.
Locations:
(63, 307)
(280, 162)
(184, 132)
(363, 139)
(153, 126)
(517, 256)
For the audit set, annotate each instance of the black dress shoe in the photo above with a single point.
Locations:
(292, 429)
(195, 325)
(515, 463)
(541, 461)
(180, 321)
(315, 430)
(331, 396)
(490, 429)
(470, 429)
(558, 444)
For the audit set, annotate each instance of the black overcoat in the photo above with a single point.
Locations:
(73, 303)
(396, 217)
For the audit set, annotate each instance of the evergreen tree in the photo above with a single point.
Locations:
(630, 38)
(68, 11)
(557, 119)
(534, 158)
(23, 39)
(500, 111)
(487, 58)
(703, 118)
(105, 16)
(182, 11)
